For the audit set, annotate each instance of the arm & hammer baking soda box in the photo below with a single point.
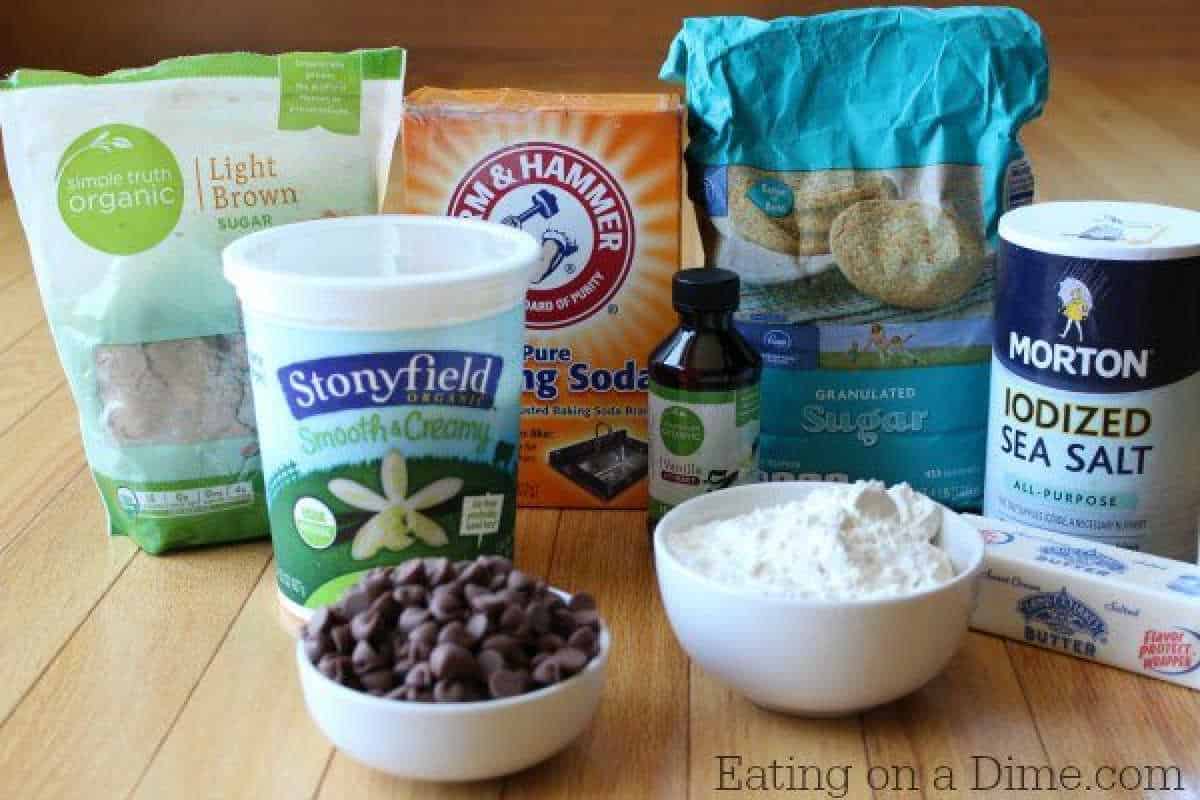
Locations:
(596, 180)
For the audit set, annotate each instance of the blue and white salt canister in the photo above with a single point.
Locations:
(1094, 423)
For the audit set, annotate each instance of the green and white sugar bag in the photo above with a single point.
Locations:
(128, 186)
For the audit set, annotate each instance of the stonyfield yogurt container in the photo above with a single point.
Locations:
(1095, 398)
(385, 358)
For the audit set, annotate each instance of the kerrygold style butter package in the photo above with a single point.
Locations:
(595, 179)
(851, 168)
(128, 186)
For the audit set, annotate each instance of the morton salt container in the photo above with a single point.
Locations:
(385, 356)
(1094, 425)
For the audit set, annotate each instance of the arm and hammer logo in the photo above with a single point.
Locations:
(1063, 614)
(1089, 560)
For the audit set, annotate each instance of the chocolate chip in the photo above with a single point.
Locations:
(571, 660)
(380, 680)
(511, 618)
(514, 597)
(365, 625)
(583, 639)
(508, 683)
(376, 581)
(498, 582)
(456, 633)
(451, 692)
(337, 668)
(450, 661)
(366, 658)
(419, 677)
(413, 618)
(386, 607)
(548, 672)
(342, 639)
(588, 617)
(519, 581)
(537, 614)
(407, 596)
(426, 632)
(549, 642)
(488, 603)
(479, 626)
(409, 573)
(508, 646)
(418, 650)
(489, 661)
(439, 570)
(563, 622)
(326, 664)
(354, 601)
(446, 604)
(498, 563)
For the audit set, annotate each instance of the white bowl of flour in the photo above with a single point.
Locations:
(819, 599)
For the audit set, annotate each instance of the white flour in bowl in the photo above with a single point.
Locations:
(840, 543)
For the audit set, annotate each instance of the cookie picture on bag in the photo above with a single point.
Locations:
(816, 207)
(906, 254)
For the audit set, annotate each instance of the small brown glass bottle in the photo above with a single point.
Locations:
(704, 401)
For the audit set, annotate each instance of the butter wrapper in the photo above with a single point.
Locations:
(1132, 610)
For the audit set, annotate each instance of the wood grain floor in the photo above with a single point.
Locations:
(126, 675)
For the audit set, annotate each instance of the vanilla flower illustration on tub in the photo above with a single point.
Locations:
(397, 518)
(385, 358)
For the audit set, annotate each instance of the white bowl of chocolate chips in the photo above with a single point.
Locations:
(453, 671)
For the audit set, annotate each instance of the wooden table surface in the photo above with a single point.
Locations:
(127, 675)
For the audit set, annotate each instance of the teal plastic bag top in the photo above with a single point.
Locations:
(851, 167)
(128, 186)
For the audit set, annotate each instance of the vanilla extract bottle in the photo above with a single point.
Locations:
(704, 396)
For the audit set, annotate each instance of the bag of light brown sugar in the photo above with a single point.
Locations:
(128, 186)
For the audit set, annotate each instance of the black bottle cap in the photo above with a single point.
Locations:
(705, 289)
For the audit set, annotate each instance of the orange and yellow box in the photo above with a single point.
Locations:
(596, 179)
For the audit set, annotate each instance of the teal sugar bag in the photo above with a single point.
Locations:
(851, 168)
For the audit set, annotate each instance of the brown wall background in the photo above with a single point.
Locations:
(581, 45)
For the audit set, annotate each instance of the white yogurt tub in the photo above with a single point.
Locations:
(385, 354)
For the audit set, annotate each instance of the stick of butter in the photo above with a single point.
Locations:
(1132, 610)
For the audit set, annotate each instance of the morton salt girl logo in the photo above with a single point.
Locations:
(574, 208)
(1076, 300)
